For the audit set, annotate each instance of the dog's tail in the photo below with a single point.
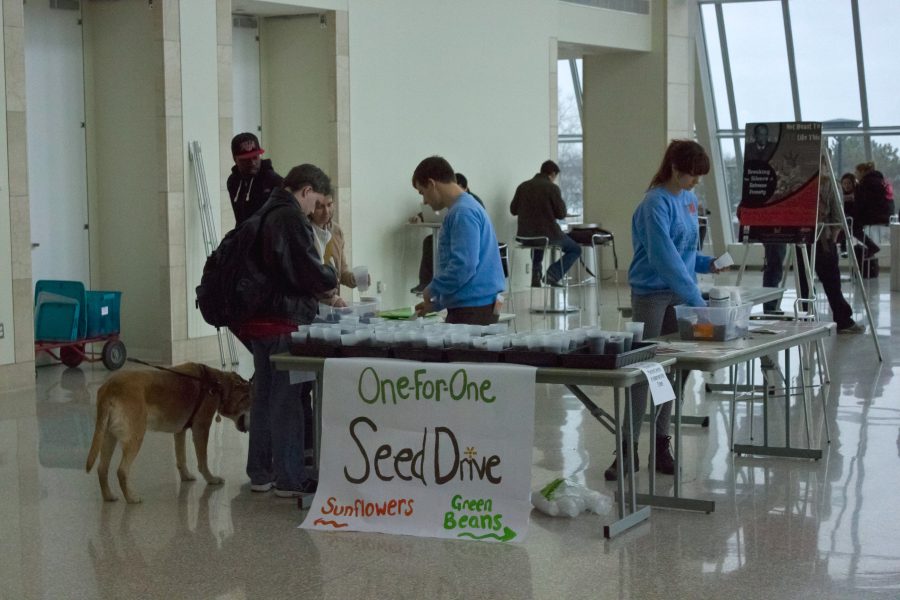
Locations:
(99, 430)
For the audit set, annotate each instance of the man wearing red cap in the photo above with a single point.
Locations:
(252, 179)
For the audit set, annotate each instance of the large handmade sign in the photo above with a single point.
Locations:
(779, 200)
(427, 449)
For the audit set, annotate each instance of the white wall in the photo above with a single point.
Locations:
(467, 80)
(200, 119)
(246, 81)
(126, 174)
(625, 135)
(57, 177)
(7, 342)
(297, 66)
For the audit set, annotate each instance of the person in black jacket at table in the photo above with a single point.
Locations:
(252, 179)
(285, 252)
(538, 204)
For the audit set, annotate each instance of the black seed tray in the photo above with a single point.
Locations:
(581, 358)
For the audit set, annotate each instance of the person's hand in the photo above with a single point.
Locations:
(338, 302)
(425, 307)
(714, 269)
(416, 218)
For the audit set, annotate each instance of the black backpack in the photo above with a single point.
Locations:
(233, 287)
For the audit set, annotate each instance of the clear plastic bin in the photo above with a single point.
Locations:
(363, 310)
(713, 323)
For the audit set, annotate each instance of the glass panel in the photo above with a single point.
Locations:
(886, 156)
(879, 24)
(571, 177)
(846, 152)
(758, 56)
(568, 119)
(716, 66)
(826, 59)
(731, 173)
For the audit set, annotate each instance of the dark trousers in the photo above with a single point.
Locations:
(827, 270)
(571, 251)
(472, 315)
(426, 265)
(829, 274)
(773, 269)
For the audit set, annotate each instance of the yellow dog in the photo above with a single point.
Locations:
(172, 400)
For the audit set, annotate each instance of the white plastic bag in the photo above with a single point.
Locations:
(565, 498)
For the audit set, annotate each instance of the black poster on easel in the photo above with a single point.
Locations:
(780, 195)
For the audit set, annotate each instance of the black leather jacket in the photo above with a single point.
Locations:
(288, 257)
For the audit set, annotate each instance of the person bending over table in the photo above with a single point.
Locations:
(470, 275)
(665, 232)
(426, 264)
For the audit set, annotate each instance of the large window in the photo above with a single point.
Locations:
(571, 138)
(791, 60)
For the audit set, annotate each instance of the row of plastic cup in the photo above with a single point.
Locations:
(350, 332)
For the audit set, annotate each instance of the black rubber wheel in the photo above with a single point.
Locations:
(114, 355)
(72, 356)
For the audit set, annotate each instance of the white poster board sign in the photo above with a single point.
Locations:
(425, 449)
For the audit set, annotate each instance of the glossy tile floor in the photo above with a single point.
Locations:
(783, 528)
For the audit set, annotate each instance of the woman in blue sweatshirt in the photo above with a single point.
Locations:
(665, 232)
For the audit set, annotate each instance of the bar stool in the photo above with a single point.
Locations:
(605, 239)
(543, 243)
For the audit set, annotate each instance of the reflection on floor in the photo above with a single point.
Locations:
(783, 528)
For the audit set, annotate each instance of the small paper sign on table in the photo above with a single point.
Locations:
(660, 387)
(427, 449)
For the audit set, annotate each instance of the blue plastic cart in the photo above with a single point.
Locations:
(69, 321)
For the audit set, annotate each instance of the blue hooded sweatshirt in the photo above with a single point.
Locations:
(469, 271)
(664, 233)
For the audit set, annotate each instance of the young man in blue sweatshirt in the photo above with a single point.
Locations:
(469, 276)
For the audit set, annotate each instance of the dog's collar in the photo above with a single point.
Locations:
(208, 384)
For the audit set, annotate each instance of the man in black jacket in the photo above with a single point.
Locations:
(252, 179)
(538, 203)
(285, 252)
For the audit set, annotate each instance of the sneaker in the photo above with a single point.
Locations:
(262, 487)
(665, 462)
(612, 472)
(854, 328)
(553, 282)
(304, 494)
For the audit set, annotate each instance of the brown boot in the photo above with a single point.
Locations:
(665, 463)
(612, 472)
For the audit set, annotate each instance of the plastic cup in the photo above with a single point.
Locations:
(627, 339)
(637, 328)
(494, 343)
(615, 345)
(361, 275)
(333, 336)
(435, 341)
(596, 341)
(349, 339)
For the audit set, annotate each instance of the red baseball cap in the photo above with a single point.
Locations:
(245, 145)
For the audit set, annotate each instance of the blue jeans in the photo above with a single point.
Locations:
(657, 312)
(277, 429)
(571, 252)
(773, 269)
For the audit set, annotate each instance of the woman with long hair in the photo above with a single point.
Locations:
(664, 232)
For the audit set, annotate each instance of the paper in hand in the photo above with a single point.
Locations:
(723, 261)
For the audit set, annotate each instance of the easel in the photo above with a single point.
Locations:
(809, 266)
